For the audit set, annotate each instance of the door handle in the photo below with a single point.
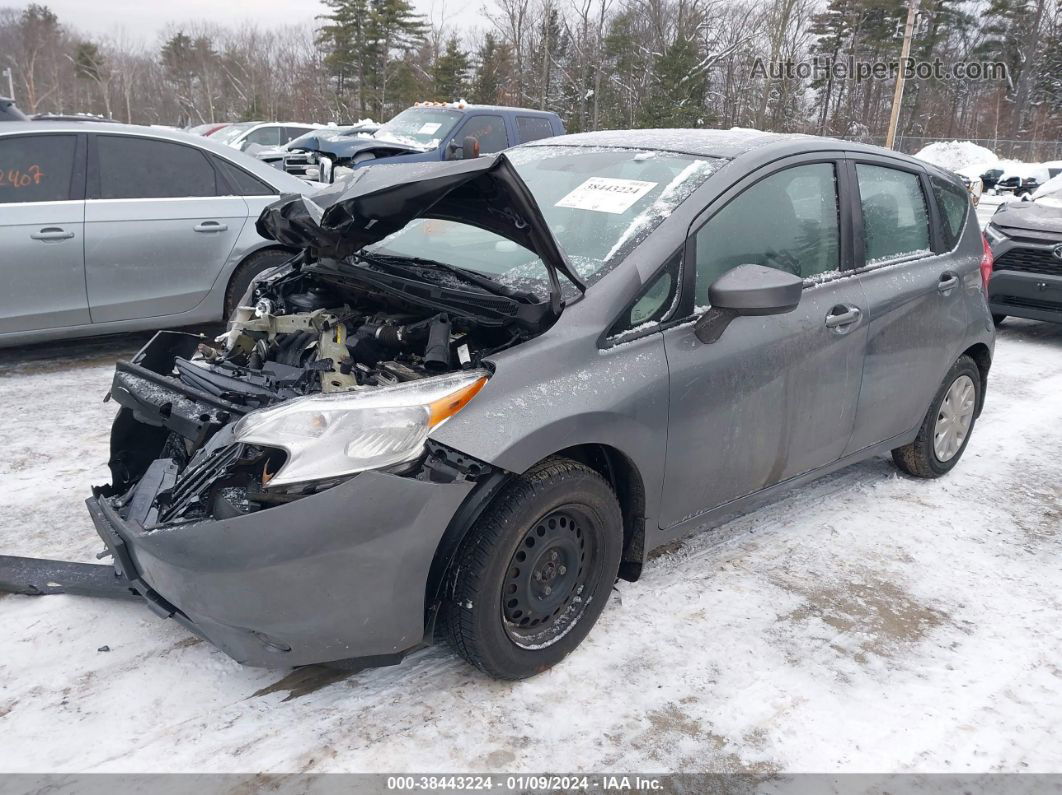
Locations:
(841, 317)
(948, 281)
(210, 226)
(52, 233)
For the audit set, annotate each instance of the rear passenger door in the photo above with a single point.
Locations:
(42, 222)
(916, 313)
(773, 397)
(157, 234)
(532, 128)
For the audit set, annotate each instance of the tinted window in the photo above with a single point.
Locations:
(786, 221)
(489, 130)
(36, 168)
(954, 203)
(264, 136)
(139, 168)
(243, 183)
(531, 128)
(895, 220)
(291, 133)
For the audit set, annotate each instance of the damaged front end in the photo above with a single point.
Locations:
(277, 489)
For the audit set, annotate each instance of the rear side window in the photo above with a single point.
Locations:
(954, 203)
(489, 130)
(532, 128)
(243, 183)
(36, 168)
(140, 168)
(895, 219)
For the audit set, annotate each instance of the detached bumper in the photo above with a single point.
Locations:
(337, 575)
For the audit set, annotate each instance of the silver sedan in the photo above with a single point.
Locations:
(108, 227)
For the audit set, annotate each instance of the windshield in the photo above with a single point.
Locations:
(229, 134)
(424, 128)
(599, 204)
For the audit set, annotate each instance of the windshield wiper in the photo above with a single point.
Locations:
(472, 277)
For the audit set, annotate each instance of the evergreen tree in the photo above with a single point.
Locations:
(493, 72)
(450, 72)
(678, 88)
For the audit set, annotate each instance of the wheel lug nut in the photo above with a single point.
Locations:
(561, 569)
(553, 555)
(549, 590)
(538, 576)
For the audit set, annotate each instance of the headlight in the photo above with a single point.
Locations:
(327, 436)
(993, 233)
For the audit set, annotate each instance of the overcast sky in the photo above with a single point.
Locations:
(142, 19)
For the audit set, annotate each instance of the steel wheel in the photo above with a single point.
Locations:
(954, 418)
(543, 592)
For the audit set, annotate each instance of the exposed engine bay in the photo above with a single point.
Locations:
(341, 361)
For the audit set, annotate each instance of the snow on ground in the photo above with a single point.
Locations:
(870, 622)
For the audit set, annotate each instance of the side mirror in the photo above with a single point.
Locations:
(454, 151)
(747, 290)
(470, 147)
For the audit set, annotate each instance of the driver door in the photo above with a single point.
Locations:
(775, 396)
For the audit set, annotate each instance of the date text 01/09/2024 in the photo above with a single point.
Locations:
(522, 783)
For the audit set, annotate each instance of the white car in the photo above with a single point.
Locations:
(274, 133)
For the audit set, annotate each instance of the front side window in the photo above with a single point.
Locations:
(786, 221)
(954, 203)
(895, 219)
(36, 168)
(599, 204)
(264, 136)
(141, 168)
(533, 128)
(488, 130)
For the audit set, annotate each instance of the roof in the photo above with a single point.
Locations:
(726, 144)
(466, 106)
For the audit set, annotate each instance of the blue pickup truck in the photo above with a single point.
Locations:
(427, 131)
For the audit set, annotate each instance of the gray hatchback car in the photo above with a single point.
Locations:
(490, 387)
(113, 227)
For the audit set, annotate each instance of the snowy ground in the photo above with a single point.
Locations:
(869, 623)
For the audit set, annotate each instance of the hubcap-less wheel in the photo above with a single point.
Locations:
(543, 595)
(954, 418)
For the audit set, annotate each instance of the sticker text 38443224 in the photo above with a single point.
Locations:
(606, 195)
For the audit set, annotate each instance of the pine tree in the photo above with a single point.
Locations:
(679, 88)
(450, 72)
(493, 72)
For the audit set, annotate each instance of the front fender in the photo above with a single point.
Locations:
(548, 395)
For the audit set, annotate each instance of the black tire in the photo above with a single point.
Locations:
(571, 514)
(998, 320)
(246, 271)
(919, 458)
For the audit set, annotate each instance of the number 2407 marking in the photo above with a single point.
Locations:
(17, 178)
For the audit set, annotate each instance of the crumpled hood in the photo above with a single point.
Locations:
(1031, 216)
(375, 202)
(350, 145)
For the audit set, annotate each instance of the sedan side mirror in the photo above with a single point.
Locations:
(747, 290)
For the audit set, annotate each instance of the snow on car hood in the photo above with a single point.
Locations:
(485, 192)
(1033, 215)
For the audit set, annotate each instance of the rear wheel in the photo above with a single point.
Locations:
(243, 276)
(534, 574)
(946, 429)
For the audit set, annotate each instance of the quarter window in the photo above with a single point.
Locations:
(655, 303)
(954, 203)
(895, 219)
(532, 128)
(243, 183)
(140, 168)
(36, 168)
(786, 221)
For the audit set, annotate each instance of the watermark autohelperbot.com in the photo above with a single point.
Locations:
(852, 68)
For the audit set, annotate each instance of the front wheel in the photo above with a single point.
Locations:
(251, 267)
(534, 574)
(947, 426)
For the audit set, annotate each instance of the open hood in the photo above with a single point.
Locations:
(375, 202)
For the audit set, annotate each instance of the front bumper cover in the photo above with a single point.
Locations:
(337, 575)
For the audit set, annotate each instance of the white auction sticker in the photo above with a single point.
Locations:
(606, 195)
(430, 128)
